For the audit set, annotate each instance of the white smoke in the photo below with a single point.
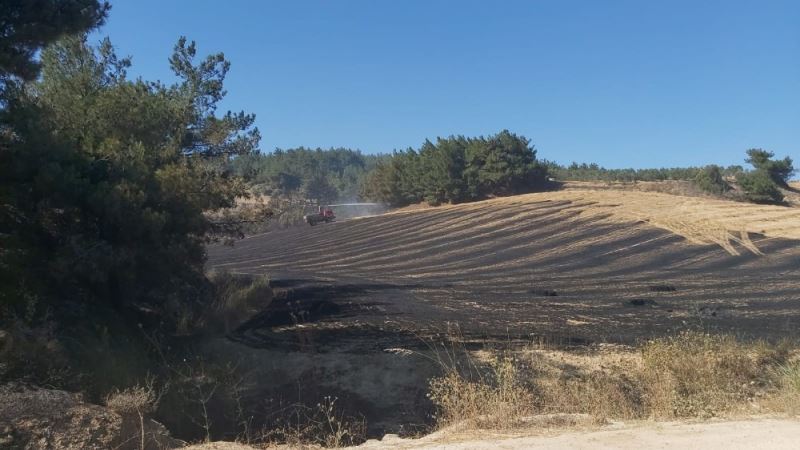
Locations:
(351, 210)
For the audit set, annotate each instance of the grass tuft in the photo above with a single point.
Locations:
(237, 298)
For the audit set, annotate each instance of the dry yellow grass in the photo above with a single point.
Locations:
(687, 375)
(700, 220)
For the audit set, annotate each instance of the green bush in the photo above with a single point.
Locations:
(710, 180)
(779, 171)
(759, 187)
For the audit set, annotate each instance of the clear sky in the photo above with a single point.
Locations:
(622, 83)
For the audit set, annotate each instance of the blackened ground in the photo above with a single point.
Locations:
(512, 270)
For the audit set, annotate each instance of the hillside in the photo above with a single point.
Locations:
(576, 264)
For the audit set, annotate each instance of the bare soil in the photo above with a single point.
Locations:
(742, 434)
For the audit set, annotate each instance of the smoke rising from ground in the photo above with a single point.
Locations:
(356, 209)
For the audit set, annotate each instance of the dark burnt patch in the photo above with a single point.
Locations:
(662, 288)
(291, 283)
(543, 292)
(641, 302)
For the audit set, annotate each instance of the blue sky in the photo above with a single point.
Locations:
(622, 83)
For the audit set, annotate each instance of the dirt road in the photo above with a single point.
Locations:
(770, 434)
(767, 434)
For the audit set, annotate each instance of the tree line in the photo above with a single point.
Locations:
(457, 169)
(320, 175)
(594, 172)
(761, 184)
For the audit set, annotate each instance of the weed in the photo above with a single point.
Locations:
(324, 425)
(496, 398)
(236, 298)
(141, 400)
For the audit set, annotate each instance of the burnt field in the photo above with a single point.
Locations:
(561, 266)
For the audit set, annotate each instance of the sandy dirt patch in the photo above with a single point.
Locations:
(755, 434)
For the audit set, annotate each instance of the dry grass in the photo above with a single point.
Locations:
(689, 375)
(139, 402)
(140, 399)
(495, 400)
(788, 399)
(322, 426)
(237, 298)
(700, 220)
(701, 375)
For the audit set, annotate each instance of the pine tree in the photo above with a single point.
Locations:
(26, 26)
(110, 181)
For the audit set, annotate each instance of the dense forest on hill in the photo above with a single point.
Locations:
(459, 169)
(323, 175)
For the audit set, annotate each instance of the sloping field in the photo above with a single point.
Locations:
(575, 264)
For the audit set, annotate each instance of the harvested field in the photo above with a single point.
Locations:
(575, 265)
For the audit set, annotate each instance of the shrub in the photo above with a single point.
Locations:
(691, 374)
(778, 170)
(599, 393)
(325, 425)
(494, 399)
(140, 399)
(236, 298)
(696, 374)
(137, 402)
(758, 187)
(710, 180)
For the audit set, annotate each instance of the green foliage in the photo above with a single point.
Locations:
(395, 180)
(759, 187)
(762, 184)
(288, 173)
(593, 172)
(236, 299)
(504, 164)
(108, 182)
(26, 26)
(779, 171)
(457, 169)
(710, 179)
(319, 190)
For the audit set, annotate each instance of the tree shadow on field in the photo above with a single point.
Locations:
(302, 302)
